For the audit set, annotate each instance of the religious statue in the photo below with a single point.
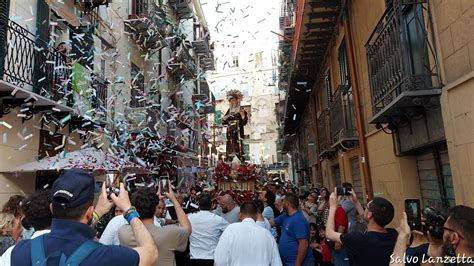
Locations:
(235, 119)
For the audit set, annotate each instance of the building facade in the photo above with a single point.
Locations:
(126, 81)
(373, 88)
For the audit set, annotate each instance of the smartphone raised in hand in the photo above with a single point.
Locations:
(112, 183)
(164, 185)
(413, 211)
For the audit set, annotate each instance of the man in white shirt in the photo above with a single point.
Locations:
(234, 247)
(110, 234)
(228, 209)
(207, 229)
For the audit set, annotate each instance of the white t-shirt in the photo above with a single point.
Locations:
(246, 243)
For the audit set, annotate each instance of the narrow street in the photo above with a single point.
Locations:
(302, 132)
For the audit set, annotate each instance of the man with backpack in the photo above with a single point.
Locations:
(70, 241)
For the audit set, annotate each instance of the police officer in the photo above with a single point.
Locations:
(70, 241)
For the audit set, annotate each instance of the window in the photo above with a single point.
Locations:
(327, 90)
(417, 42)
(137, 87)
(235, 61)
(59, 31)
(258, 59)
(139, 7)
(344, 65)
(244, 89)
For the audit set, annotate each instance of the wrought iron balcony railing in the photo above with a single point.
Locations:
(182, 8)
(99, 102)
(343, 130)
(324, 134)
(28, 62)
(90, 4)
(401, 61)
(147, 26)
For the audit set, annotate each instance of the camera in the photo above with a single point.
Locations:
(434, 222)
(343, 191)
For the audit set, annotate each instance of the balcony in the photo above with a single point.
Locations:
(31, 72)
(182, 8)
(201, 46)
(37, 78)
(403, 73)
(91, 4)
(208, 62)
(146, 26)
(343, 130)
(324, 135)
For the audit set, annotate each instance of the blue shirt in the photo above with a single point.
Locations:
(66, 236)
(293, 228)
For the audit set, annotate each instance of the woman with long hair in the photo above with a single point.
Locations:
(322, 212)
(13, 207)
(6, 228)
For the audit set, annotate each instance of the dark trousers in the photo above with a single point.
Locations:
(202, 262)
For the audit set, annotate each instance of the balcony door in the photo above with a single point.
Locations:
(138, 87)
(414, 29)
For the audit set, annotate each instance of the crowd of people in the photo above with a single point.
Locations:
(274, 226)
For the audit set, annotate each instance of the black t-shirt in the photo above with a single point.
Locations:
(418, 252)
(370, 248)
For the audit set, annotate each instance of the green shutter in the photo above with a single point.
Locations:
(42, 25)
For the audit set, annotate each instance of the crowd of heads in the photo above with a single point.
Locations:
(37, 211)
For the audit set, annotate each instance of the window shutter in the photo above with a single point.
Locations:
(42, 25)
(4, 13)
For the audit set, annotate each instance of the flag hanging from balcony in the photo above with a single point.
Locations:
(82, 89)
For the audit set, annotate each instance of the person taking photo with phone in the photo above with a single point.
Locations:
(70, 240)
(373, 247)
(168, 239)
(456, 241)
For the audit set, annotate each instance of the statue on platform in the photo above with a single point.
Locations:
(235, 119)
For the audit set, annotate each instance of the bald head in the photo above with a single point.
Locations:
(227, 199)
(227, 203)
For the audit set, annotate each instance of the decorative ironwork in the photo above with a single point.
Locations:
(90, 4)
(182, 8)
(147, 26)
(30, 61)
(401, 56)
(99, 102)
(342, 116)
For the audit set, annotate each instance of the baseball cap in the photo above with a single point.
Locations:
(73, 188)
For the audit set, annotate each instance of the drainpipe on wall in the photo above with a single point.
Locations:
(358, 109)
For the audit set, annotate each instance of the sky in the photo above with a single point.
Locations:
(242, 27)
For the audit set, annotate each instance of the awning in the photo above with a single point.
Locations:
(89, 158)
